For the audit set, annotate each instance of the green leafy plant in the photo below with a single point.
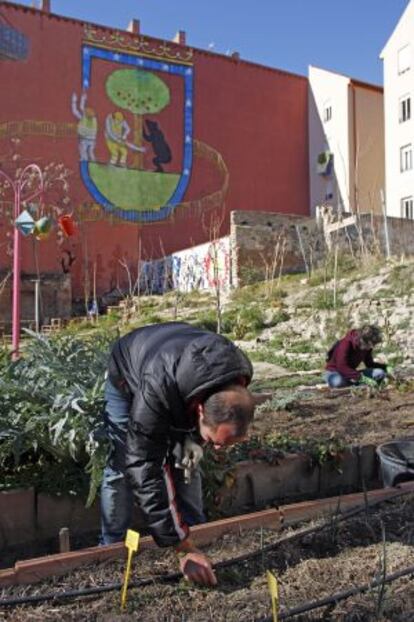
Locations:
(206, 320)
(282, 402)
(51, 404)
(274, 446)
(242, 321)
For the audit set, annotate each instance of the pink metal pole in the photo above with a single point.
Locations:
(16, 278)
(17, 186)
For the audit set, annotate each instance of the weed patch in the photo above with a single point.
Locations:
(325, 299)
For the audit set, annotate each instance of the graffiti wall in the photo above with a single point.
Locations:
(203, 267)
(156, 138)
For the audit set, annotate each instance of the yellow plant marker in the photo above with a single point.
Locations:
(132, 543)
(274, 594)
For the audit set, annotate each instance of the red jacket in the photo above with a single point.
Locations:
(345, 356)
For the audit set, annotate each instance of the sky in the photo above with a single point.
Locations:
(345, 36)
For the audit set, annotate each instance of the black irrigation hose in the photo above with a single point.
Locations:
(89, 591)
(176, 576)
(336, 598)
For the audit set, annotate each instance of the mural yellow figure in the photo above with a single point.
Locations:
(116, 133)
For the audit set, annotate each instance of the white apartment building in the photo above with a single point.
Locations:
(398, 57)
(346, 142)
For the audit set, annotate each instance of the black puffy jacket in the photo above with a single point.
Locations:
(163, 367)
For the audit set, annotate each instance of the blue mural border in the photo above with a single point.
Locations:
(140, 62)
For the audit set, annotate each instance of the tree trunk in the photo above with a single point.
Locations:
(138, 157)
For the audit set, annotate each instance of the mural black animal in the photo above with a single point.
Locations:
(161, 148)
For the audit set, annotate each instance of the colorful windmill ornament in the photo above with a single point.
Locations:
(25, 223)
(42, 228)
(67, 225)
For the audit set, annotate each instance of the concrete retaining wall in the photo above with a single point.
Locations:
(257, 484)
(27, 517)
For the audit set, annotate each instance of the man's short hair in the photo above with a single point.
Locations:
(369, 335)
(238, 411)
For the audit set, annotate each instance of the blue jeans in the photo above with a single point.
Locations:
(116, 492)
(336, 381)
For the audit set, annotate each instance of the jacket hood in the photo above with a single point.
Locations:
(353, 336)
(208, 362)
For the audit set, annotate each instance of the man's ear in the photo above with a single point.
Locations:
(200, 411)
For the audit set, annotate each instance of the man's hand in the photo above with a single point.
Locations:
(390, 371)
(187, 456)
(192, 453)
(194, 565)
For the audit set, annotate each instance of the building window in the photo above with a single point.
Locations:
(407, 208)
(329, 191)
(406, 158)
(404, 59)
(405, 108)
(327, 113)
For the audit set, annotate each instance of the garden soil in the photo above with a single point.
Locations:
(355, 416)
(344, 555)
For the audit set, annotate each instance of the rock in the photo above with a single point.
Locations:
(268, 370)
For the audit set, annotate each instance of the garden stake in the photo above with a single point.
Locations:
(131, 542)
(274, 594)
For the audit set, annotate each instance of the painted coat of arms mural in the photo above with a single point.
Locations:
(127, 162)
(130, 126)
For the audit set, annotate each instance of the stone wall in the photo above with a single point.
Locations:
(372, 229)
(265, 243)
(262, 245)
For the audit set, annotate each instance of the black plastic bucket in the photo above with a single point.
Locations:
(397, 461)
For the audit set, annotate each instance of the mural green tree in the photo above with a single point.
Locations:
(141, 92)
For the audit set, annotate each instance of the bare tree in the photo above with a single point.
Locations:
(276, 260)
(213, 229)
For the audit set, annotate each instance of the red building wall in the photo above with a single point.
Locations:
(249, 124)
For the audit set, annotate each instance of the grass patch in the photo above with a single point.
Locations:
(404, 324)
(207, 320)
(273, 384)
(345, 266)
(267, 355)
(256, 292)
(301, 347)
(324, 299)
(242, 321)
(383, 292)
(401, 280)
